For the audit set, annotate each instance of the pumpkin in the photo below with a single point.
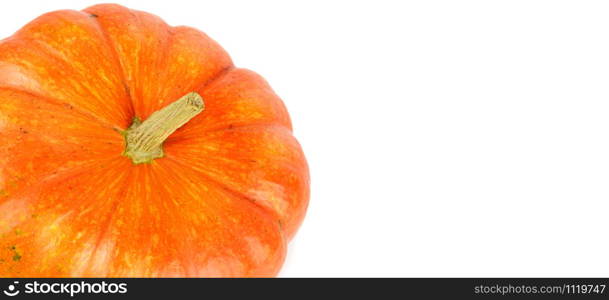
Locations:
(129, 148)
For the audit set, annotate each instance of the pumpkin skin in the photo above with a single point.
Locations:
(229, 193)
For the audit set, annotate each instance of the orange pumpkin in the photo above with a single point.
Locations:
(129, 148)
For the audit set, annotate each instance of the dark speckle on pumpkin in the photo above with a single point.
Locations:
(16, 255)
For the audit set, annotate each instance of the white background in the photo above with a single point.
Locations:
(445, 138)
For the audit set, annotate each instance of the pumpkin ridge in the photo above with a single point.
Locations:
(163, 54)
(160, 53)
(111, 215)
(168, 174)
(51, 180)
(110, 218)
(230, 190)
(51, 51)
(215, 77)
(295, 162)
(59, 103)
(81, 168)
(230, 127)
(117, 61)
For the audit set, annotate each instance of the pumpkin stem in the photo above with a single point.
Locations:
(144, 140)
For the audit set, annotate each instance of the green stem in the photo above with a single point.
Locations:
(144, 141)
